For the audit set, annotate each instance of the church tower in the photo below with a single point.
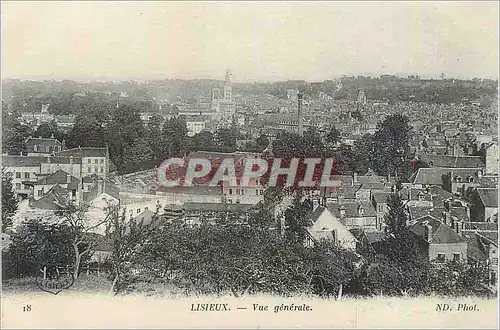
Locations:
(227, 89)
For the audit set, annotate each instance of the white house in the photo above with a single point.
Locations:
(326, 226)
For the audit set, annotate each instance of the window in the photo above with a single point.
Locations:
(456, 257)
(26, 175)
(334, 235)
(95, 161)
(35, 148)
(58, 148)
(381, 208)
(89, 169)
(73, 192)
(440, 257)
(138, 210)
(18, 175)
(230, 191)
(101, 170)
(230, 201)
(47, 149)
(146, 208)
(40, 192)
(243, 191)
(256, 191)
(90, 161)
(95, 169)
(237, 201)
(18, 186)
(102, 161)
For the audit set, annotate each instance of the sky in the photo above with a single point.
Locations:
(257, 41)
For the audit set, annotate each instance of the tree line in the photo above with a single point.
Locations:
(241, 254)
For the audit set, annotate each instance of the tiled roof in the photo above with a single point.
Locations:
(434, 176)
(43, 142)
(381, 197)
(62, 159)
(375, 236)
(481, 226)
(111, 189)
(21, 161)
(56, 197)
(84, 152)
(474, 247)
(351, 209)
(488, 196)
(58, 177)
(215, 207)
(440, 233)
(452, 161)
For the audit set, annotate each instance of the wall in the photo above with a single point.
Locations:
(448, 249)
(17, 185)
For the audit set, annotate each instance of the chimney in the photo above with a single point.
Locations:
(48, 162)
(355, 178)
(428, 232)
(100, 186)
(63, 144)
(299, 114)
(459, 227)
(71, 165)
(68, 178)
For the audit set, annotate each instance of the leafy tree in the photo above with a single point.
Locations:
(400, 268)
(123, 130)
(14, 135)
(48, 130)
(333, 136)
(364, 154)
(396, 219)
(262, 142)
(79, 231)
(38, 243)
(9, 201)
(153, 136)
(391, 146)
(226, 138)
(296, 220)
(127, 239)
(204, 140)
(175, 137)
(86, 132)
(138, 156)
(345, 160)
(332, 267)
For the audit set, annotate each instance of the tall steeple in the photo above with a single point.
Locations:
(227, 89)
(227, 80)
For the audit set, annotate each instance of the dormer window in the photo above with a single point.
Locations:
(470, 179)
(342, 210)
(47, 149)
(421, 197)
(361, 210)
(458, 178)
(35, 148)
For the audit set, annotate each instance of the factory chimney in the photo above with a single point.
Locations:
(299, 114)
